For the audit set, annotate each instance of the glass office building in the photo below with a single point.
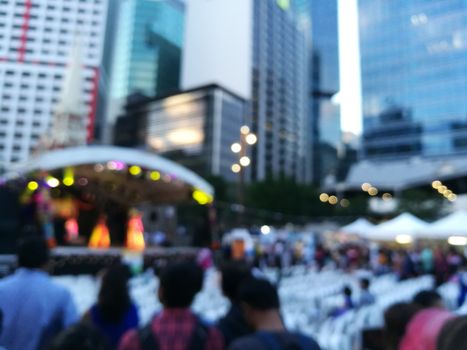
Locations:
(279, 93)
(414, 87)
(148, 48)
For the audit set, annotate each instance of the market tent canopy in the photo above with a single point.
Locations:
(124, 175)
(359, 227)
(454, 224)
(403, 225)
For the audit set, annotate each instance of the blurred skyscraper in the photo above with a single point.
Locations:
(414, 60)
(35, 42)
(257, 50)
(147, 49)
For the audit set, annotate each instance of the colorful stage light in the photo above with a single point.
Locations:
(135, 170)
(155, 175)
(33, 185)
(135, 233)
(202, 197)
(100, 237)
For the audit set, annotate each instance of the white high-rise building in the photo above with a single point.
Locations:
(36, 39)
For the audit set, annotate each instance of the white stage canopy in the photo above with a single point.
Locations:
(454, 224)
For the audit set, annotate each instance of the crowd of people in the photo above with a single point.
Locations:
(37, 314)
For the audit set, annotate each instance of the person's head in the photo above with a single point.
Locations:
(33, 253)
(364, 283)
(452, 335)
(179, 284)
(81, 336)
(259, 300)
(347, 291)
(428, 298)
(114, 299)
(232, 275)
(396, 319)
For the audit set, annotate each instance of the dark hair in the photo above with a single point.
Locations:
(365, 283)
(180, 282)
(32, 252)
(347, 291)
(233, 274)
(396, 319)
(427, 298)
(452, 335)
(114, 299)
(259, 294)
(81, 336)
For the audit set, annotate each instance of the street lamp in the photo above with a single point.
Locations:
(247, 139)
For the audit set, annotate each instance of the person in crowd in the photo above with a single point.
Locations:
(423, 329)
(427, 260)
(408, 266)
(233, 325)
(81, 336)
(452, 335)
(441, 266)
(428, 299)
(396, 319)
(260, 303)
(454, 261)
(366, 297)
(348, 302)
(35, 309)
(176, 327)
(114, 313)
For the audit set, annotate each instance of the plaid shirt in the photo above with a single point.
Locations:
(173, 329)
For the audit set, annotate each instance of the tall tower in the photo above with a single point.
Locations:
(36, 38)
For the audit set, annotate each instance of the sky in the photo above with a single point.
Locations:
(349, 66)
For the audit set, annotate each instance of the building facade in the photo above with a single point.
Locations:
(148, 46)
(257, 50)
(413, 59)
(36, 38)
(196, 128)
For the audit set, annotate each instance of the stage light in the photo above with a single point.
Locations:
(265, 230)
(404, 239)
(236, 147)
(155, 175)
(333, 200)
(373, 191)
(366, 186)
(68, 177)
(324, 197)
(135, 170)
(33, 185)
(202, 197)
(245, 130)
(457, 240)
(452, 197)
(436, 184)
(68, 181)
(52, 182)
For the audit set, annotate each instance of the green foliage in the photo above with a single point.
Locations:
(421, 202)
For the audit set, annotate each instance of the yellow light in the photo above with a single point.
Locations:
(155, 175)
(452, 197)
(202, 197)
(251, 139)
(345, 203)
(372, 191)
(404, 239)
(333, 200)
(52, 182)
(135, 170)
(33, 185)
(441, 189)
(447, 193)
(245, 130)
(324, 197)
(236, 147)
(457, 240)
(387, 196)
(436, 184)
(245, 161)
(366, 186)
(68, 177)
(236, 168)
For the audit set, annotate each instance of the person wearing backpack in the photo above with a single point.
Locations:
(176, 327)
(260, 304)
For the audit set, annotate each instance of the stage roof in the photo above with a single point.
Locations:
(122, 174)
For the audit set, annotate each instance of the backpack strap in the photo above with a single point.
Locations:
(200, 335)
(147, 338)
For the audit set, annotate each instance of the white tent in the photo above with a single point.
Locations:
(406, 226)
(359, 227)
(454, 224)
